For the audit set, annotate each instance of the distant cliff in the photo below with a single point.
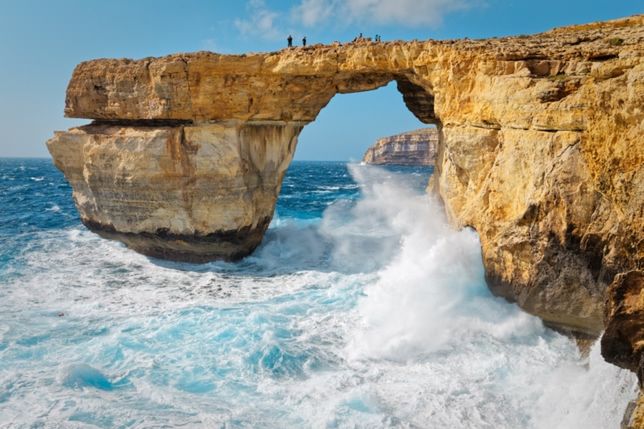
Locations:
(416, 147)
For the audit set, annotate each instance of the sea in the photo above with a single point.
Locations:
(362, 308)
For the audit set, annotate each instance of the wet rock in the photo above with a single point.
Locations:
(623, 340)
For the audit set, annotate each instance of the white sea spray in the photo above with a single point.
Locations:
(375, 316)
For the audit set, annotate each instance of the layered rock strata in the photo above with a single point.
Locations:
(416, 147)
(540, 151)
(184, 192)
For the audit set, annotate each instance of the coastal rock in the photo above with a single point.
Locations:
(634, 416)
(416, 147)
(183, 192)
(623, 340)
(540, 149)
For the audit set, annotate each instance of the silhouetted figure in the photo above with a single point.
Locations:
(304, 41)
(377, 37)
(360, 36)
(289, 39)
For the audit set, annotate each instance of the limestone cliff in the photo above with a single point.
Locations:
(416, 147)
(540, 151)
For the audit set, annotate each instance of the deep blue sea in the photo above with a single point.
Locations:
(361, 309)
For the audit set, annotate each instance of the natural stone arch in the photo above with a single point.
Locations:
(209, 125)
(540, 149)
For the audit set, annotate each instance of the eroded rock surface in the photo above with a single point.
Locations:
(416, 147)
(540, 151)
(184, 192)
(623, 340)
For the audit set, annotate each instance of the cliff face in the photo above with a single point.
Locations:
(540, 151)
(623, 339)
(416, 147)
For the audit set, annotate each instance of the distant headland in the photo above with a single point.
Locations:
(412, 148)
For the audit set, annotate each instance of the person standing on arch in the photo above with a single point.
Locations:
(289, 39)
(304, 41)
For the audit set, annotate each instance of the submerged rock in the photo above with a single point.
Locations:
(416, 147)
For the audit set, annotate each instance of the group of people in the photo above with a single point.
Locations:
(368, 39)
(378, 38)
(289, 39)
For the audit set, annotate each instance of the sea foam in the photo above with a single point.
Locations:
(373, 314)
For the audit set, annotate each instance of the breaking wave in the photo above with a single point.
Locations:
(362, 308)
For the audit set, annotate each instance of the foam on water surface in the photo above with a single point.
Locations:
(362, 308)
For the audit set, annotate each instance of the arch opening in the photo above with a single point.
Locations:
(418, 99)
(221, 140)
(366, 107)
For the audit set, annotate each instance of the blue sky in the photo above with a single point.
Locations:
(42, 41)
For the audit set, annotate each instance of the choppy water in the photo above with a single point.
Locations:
(361, 309)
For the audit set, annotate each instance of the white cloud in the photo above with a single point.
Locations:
(209, 45)
(266, 23)
(409, 13)
(312, 12)
(261, 22)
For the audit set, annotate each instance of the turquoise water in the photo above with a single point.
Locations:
(361, 309)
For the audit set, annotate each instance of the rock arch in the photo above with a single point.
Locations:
(202, 140)
(540, 149)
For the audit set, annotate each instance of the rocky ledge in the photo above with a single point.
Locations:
(416, 147)
(540, 150)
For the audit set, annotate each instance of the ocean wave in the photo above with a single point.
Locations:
(374, 314)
